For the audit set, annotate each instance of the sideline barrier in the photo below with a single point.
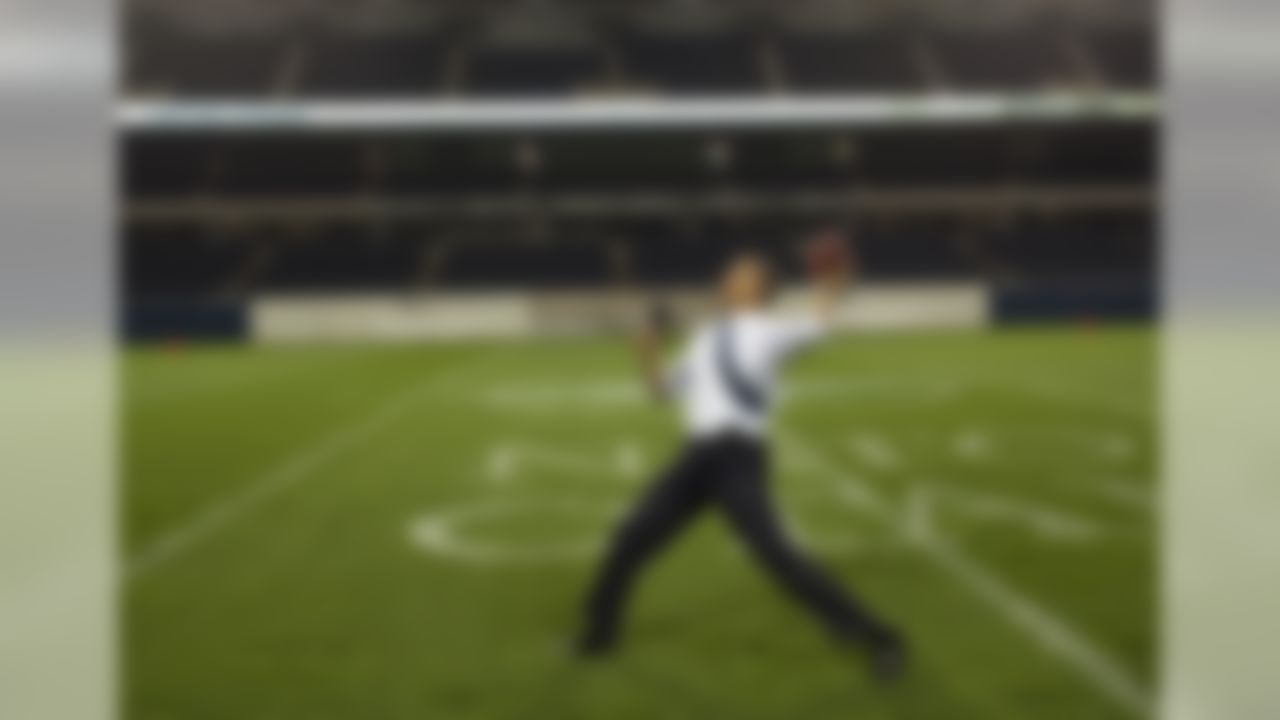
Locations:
(516, 314)
(568, 313)
(188, 320)
(1062, 302)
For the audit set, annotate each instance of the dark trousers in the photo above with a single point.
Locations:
(731, 473)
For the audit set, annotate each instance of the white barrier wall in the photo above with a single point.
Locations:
(916, 307)
(526, 314)
(307, 318)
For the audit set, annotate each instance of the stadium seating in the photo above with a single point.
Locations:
(188, 262)
(1127, 56)
(654, 195)
(180, 261)
(981, 60)
(163, 59)
(171, 166)
(487, 263)
(342, 258)
(448, 48)
(349, 64)
(697, 64)
(607, 162)
(531, 71)
(296, 165)
(834, 62)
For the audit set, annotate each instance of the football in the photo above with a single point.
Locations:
(826, 253)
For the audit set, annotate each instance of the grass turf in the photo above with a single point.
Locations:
(376, 532)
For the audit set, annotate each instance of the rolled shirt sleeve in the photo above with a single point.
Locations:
(675, 377)
(793, 334)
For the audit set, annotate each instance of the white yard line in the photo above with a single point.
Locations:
(500, 462)
(972, 445)
(570, 460)
(876, 451)
(1049, 632)
(508, 460)
(293, 470)
(853, 490)
(630, 459)
(1126, 495)
(1080, 396)
(1049, 523)
(444, 531)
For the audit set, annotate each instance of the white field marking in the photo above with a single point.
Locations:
(1048, 523)
(827, 543)
(630, 459)
(564, 460)
(508, 460)
(1126, 494)
(545, 396)
(442, 532)
(1116, 446)
(294, 469)
(917, 522)
(1080, 396)
(792, 459)
(1052, 634)
(876, 451)
(446, 532)
(930, 387)
(851, 489)
(500, 463)
(617, 392)
(972, 444)
(790, 464)
(1109, 442)
(1115, 489)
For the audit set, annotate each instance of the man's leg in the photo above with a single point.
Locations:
(664, 509)
(742, 491)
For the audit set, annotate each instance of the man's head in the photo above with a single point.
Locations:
(747, 281)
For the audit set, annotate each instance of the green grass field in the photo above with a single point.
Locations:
(379, 532)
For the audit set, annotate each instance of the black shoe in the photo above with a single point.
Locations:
(887, 657)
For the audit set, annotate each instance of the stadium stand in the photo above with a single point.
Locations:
(845, 61)
(294, 165)
(493, 263)
(981, 60)
(1126, 55)
(678, 64)
(180, 260)
(755, 47)
(339, 257)
(166, 59)
(660, 251)
(213, 216)
(175, 166)
(514, 72)
(366, 64)
(338, 164)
